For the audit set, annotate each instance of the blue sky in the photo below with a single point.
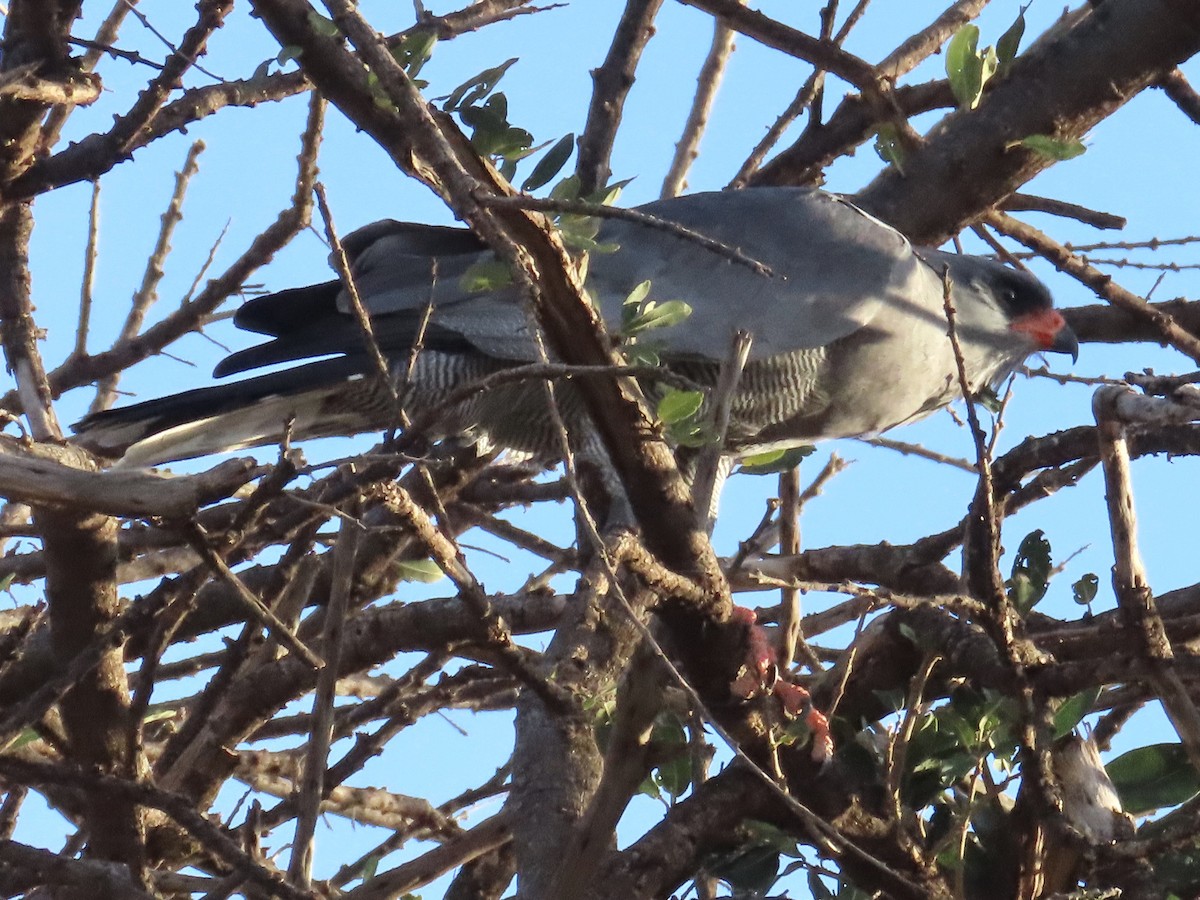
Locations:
(1139, 164)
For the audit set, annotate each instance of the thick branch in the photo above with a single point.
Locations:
(969, 162)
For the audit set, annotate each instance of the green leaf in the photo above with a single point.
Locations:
(1084, 590)
(323, 26)
(675, 774)
(1153, 777)
(579, 232)
(425, 571)
(550, 164)
(817, 887)
(512, 144)
(632, 304)
(1030, 572)
(415, 50)
(1053, 148)
(649, 787)
(987, 397)
(768, 458)
(964, 67)
(635, 297)
(677, 406)
(490, 128)
(888, 146)
(587, 244)
(989, 65)
(1010, 42)
(473, 90)
(497, 104)
(607, 196)
(485, 275)
(1073, 709)
(689, 433)
(371, 867)
(643, 354)
(657, 315)
(567, 189)
(23, 738)
(752, 871)
(774, 461)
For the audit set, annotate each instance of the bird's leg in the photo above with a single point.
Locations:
(761, 674)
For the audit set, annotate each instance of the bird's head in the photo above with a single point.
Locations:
(1002, 315)
(1030, 311)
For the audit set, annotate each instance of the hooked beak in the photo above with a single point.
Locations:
(1049, 330)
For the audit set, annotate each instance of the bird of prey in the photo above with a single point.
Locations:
(848, 325)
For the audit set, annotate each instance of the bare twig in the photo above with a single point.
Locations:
(782, 37)
(105, 36)
(809, 95)
(612, 81)
(18, 331)
(485, 836)
(1176, 86)
(909, 449)
(707, 85)
(790, 610)
(192, 315)
(929, 40)
(705, 487)
(188, 56)
(1033, 203)
(582, 208)
(315, 759)
(900, 738)
(1130, 582)
(277, 628)
(493, 630)
(982, 562)
(147, 293)
(181, 809)
(89, 272)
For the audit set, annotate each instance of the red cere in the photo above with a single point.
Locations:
(1043, 326)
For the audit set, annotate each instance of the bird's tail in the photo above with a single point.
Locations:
(255, 412)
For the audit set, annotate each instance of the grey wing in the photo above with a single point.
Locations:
(833, 267)
(400, 268)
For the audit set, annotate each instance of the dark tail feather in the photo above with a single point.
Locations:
(249, 413)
